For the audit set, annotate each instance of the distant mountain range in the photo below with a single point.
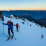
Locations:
(42, 21)
(36, 15)
(27, 16)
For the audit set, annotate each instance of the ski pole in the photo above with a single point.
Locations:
(14, 37)
(19, 28)
(3, 24)
(3, 28)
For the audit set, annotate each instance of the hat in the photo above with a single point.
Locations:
(8, 22)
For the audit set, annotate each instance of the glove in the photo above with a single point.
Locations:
(19, 27)
(14, 25)
(2, 23)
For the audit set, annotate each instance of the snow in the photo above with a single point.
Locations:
(11, 16)
(27, 35)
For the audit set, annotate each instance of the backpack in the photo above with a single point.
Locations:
(11, 23)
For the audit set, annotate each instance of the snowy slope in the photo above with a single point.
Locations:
(27, 35)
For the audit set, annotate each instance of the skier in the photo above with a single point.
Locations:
(10, 27)
(41, 36)
(17, 26)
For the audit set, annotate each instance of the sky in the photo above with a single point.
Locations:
(22, 4)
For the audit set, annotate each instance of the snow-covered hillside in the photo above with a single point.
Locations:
(27, 35)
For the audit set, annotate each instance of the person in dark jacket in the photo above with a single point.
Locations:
(17, 26)
(10, 27)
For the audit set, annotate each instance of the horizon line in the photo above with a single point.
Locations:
(15, 10)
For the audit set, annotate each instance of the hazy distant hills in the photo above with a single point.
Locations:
(27, 16)
(34, 14)
(42, 21)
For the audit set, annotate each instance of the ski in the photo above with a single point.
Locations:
(8, 38)
(11, 37)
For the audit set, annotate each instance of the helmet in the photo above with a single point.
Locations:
(8, 22)
(17, 23)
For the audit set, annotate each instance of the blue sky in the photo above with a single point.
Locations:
(23, 4)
